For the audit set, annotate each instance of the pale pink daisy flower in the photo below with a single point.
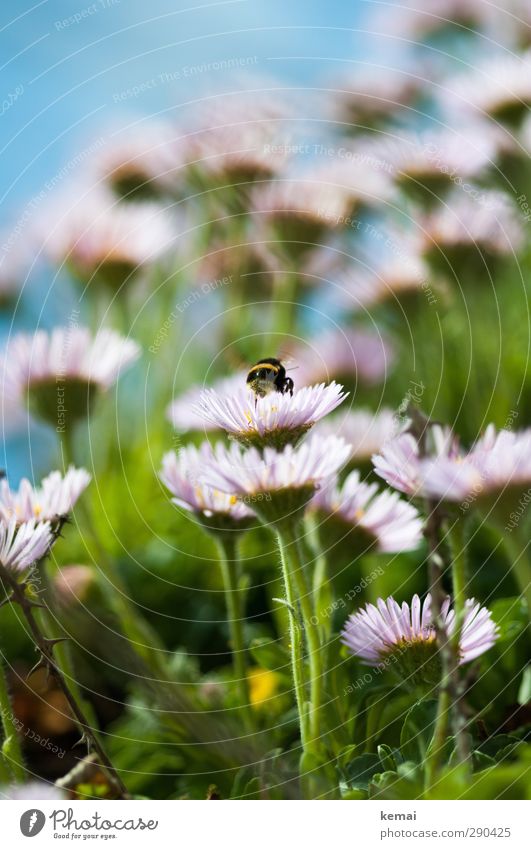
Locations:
(400, 463)
(301, 197)
(239, 153)
(102, 239)
(68, 352)
(437, 160)
(387, 521)
(413, 21)
(23, 545)
(499, 88)
(340, 353)
(63, 368)
(390, 277)
(300, 469)
(364, 178)
(276, 419)
(181, 473)
(381, 632)
(53, 500)
(492, 225)
(300, 210)
(183, 412)
(365, 431)
(239, 137)
(146, 163)
(372, 95)
(499, 463)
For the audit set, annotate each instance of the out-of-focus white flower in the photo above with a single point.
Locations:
(492, 224)
(439, 157)
(414, 22)
(363, 178)
(148, 162)
(365, 431)
(385, 629)
(301, 201)
(387, 278)
(58, 372)
(393, 524)
(31, 791)
(239, 153)
(239, 138)
(183, 412)
(400, 463)
(54, 499)
(67, 353)
(110, 241)
(499, 88)
(340, 353)
(181, 473)
(499, 463)
(23, 545)
(275, 420)
(371, 95)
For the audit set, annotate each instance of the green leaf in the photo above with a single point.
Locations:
(387, 758)
(417, 730)
(494, 747)
(503, 781)
(524, 693)
(269, 654)
(358, 772)
(404, 783)
(510, 617)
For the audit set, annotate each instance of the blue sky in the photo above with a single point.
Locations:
(66, 64)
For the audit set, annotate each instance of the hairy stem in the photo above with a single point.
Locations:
(432, 532)
(290, 546)
(46, 649)
(459, 581)
(11, 755)
(230, 570)
(296, 640)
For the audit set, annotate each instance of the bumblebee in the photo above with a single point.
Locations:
(269, 375)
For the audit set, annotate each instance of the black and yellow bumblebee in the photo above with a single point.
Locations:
(269, 375)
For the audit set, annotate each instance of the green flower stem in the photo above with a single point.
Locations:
(231, 571)
(282, 307)
(11, 756)
(435, 753)
(458, 540)
(459, 580)
(437, 744)
(296, 640)
(5, 775)
(517, 548)
(450, 688)
(289, 536)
